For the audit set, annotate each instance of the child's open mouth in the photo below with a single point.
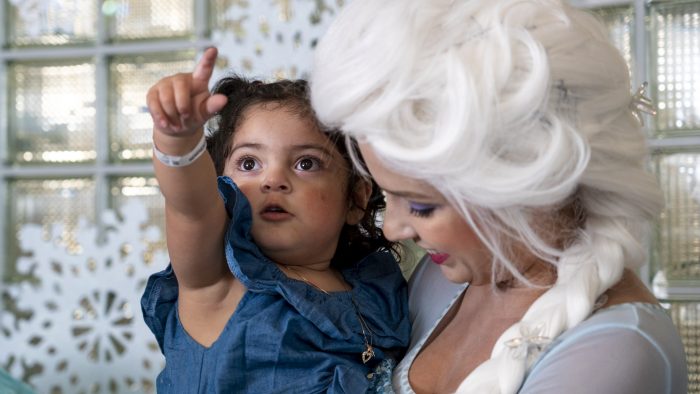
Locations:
(274, 212)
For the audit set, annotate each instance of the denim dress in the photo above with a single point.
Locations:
(285, 336)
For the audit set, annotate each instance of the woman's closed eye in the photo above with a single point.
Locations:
(421, 210)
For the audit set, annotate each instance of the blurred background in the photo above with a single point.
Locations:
(80, 211)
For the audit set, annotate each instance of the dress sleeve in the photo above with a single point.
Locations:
(609, 360)
(159, 302)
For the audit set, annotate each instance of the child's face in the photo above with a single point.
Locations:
(296, 182)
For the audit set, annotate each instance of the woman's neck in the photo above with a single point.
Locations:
(536, 274)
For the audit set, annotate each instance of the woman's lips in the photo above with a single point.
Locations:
(438, 258)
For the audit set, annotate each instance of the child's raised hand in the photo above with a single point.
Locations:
(180, 104)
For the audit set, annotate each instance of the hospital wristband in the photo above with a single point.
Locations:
(184, 160)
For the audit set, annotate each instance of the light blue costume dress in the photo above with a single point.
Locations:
(10, 385)
(624, 348)
(285, 336)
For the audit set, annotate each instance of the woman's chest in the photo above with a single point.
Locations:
(465, 338)
(454, 353)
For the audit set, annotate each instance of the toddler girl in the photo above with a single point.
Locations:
(279, 279)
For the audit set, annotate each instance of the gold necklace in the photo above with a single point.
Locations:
(369, 350)
(294, 270)
(368, 354)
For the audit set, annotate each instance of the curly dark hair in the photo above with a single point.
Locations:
(356, 241)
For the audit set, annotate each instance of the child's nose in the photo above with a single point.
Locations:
(275, 180)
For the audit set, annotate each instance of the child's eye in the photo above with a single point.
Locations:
(247, 164)
(308, 164)
(421, 210)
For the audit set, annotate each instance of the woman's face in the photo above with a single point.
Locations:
(417, 211)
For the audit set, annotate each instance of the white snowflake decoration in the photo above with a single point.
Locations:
(277, 37)
(86, 331)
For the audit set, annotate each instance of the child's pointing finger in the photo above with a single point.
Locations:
(205, 66)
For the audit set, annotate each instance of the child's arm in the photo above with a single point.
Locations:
(194, 212)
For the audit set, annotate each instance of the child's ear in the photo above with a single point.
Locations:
(361, 192)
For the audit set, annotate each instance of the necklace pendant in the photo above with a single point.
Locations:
(367, 354)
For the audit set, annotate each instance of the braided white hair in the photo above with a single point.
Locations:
(507, 107)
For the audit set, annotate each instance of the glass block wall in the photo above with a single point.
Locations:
(675, 62)
(661, 42)
(82, 216)
(81, 212)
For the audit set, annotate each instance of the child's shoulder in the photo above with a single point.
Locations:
(379, 266)
(381, 294)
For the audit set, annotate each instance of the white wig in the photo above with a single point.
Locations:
(507, 107)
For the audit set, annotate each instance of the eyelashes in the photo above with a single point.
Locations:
(307, 163)
(421, 210)
(247, 163)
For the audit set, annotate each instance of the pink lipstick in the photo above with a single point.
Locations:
(438, 258)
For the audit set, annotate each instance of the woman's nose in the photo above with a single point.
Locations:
(396, 227)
